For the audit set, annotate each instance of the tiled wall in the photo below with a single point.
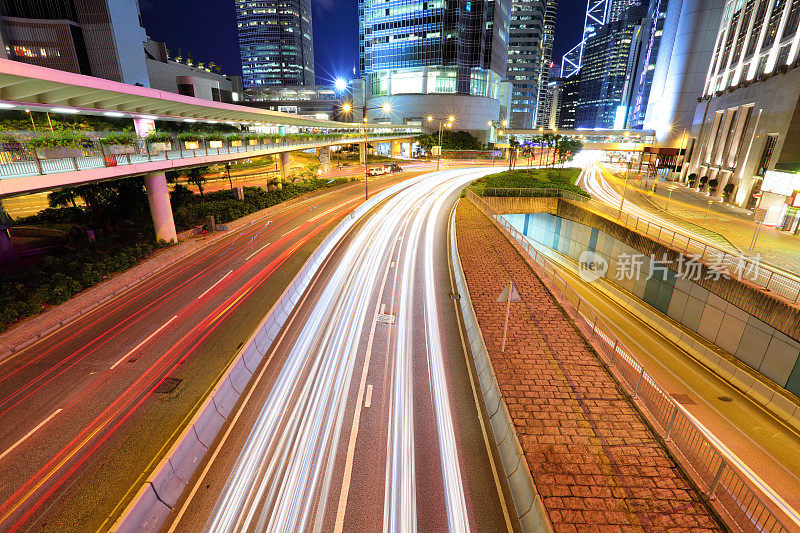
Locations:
(749, 339)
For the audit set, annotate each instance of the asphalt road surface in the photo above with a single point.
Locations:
(88, 410)
(364, 415)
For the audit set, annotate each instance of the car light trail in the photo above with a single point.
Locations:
(280, 478)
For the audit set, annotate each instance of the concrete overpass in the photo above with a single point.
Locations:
(624, 140)
(30, 87)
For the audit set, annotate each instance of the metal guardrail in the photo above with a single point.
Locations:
(744, 504)
(743, 268)
(19, 160)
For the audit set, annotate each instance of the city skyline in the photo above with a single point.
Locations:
(335, 42)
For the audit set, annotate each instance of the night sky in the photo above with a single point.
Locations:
(207, 30)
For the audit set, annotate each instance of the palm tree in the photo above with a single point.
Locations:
(196, 176)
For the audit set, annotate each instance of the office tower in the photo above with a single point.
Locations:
(745, 129)
(530, 48)
(568, 103)
(652, 34)
(275, 42)
(607, 72)
(102, 38)
(598, 13)
(434, 58)
(681, 67)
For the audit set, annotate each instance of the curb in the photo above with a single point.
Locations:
(527, 501)
(154, 501)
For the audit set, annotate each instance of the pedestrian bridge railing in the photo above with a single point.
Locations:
(747, 269)
(21, 159)
(743, 498)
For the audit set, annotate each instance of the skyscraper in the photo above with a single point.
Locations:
(434, 58)
(609, 60)
(101, 38)
(275, 42)
(530, 48)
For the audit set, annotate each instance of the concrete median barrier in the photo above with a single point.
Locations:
(145, 515)
(527, 503)
(240, 375)
(225, 396)
(207, 422)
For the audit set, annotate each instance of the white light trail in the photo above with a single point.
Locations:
(283, 473)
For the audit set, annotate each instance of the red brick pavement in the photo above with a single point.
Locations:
(595, 462)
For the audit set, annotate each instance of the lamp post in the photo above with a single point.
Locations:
(442, 124)
(385, 108)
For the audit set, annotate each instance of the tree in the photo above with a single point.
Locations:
(62, 198)
(197, 177)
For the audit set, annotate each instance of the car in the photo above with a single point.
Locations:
(376, 171)
(394, 168)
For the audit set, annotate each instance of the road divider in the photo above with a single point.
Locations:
(152, 504)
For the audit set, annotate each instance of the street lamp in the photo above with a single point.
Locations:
(442, 124)
(385, 108)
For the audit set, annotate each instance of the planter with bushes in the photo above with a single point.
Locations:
(251, 139)
(119, 143)
(60, 145)
(159, 141)
(190, 140)
(214, 140)
(235, 140)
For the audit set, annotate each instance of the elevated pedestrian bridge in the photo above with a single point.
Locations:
(25, 169)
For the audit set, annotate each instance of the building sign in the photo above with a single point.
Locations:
(782, 183)
(288, 109)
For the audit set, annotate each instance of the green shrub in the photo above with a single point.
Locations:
(234, 137)
(123, 139)
(158, 137)
(188, 136)
(538, 178)
(214, 136)
(67, 138)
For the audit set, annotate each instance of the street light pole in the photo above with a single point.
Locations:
(366, 164)
(439, 161)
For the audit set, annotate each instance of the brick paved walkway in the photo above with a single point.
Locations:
(595, 463)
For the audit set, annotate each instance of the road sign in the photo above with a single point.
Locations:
(508, 295)
(510, 288)
(436, 151)
(759, 214)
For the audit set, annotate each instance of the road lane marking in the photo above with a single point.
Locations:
(28, 434)
(368, 399)
(121, 359)
(215, 284)
(351, 445)
(249, 257)
(334, 208)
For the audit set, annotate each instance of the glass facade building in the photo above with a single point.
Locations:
(433, 47)
(608, 67)
(530, 51)
(275, 42)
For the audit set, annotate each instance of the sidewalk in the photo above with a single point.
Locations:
(594, 461)
(732, 222)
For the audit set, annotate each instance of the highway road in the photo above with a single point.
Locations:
(364, 415)
(767, 447)
(86, 411)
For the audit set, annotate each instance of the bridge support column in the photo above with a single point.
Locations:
(283, 166)
(362, 153)
(160, 208)
(324, 156)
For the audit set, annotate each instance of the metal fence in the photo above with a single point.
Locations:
(22, 160)
(745, 505)
(747, 269)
